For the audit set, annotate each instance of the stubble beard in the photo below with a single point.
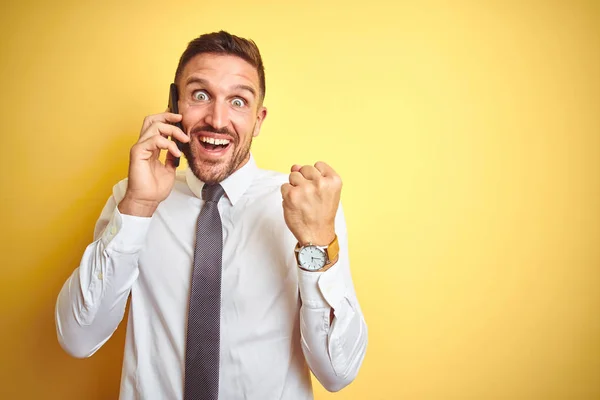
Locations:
(209, 171)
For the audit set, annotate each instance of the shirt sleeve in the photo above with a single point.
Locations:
(92, 302)
(334, 350)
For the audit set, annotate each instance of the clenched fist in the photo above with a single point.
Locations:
(310, 202)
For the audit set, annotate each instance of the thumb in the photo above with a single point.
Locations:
(295, 168)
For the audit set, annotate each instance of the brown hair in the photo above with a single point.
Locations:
(225, 43)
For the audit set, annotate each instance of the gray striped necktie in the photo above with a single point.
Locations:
(203, 339)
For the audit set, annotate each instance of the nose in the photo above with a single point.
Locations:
(217, 115)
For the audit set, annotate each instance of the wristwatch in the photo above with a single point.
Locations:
(314, 258)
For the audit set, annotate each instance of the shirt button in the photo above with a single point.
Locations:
(113, 230)
(100, 276)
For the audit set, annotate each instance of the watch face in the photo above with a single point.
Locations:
(312, 258)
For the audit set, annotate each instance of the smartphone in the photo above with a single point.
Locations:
(173, 98)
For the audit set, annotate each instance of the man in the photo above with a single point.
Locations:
(230, 297)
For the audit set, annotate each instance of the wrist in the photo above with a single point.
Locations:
(322, 238)
(137, 208)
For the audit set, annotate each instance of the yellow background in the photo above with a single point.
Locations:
(467, 134)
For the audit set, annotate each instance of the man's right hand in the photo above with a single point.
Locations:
(151, 181)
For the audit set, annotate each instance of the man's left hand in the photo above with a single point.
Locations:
(310, 202)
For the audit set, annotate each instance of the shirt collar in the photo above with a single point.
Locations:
(235, 185)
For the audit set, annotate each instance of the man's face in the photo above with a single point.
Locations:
(220, 102)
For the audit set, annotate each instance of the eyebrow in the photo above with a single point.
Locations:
(204, 82)
(246, 87)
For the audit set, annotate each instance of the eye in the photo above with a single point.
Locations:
(200, 95)
(237, 102)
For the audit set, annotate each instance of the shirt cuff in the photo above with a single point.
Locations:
(322, 289)
(125, 233)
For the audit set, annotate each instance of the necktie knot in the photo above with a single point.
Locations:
(212, 193)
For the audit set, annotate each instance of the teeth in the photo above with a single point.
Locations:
(214, 141)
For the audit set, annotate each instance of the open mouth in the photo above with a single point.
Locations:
(212, 144)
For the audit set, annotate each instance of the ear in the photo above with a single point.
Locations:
(260, 117)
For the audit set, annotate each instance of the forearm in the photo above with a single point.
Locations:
(92, 302)
(334, 344)
(334, 350)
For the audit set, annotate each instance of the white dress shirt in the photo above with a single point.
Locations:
(275, 317)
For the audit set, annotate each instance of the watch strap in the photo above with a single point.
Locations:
(333, 251)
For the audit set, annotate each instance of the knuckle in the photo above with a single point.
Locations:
(337, 180)
(306, 169)
(322, 184)
(135, 149)
(157, 140)
(156, 125)
(293, 196)
(147, 119)
(322, 166)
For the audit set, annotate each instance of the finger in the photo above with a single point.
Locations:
(296, 179)
(154, 144)
(165, 130)
(173, 149)
(295, 168)
(162, 128)
(324, 169)
(311, 173)
(162, 117)
(285, 190)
